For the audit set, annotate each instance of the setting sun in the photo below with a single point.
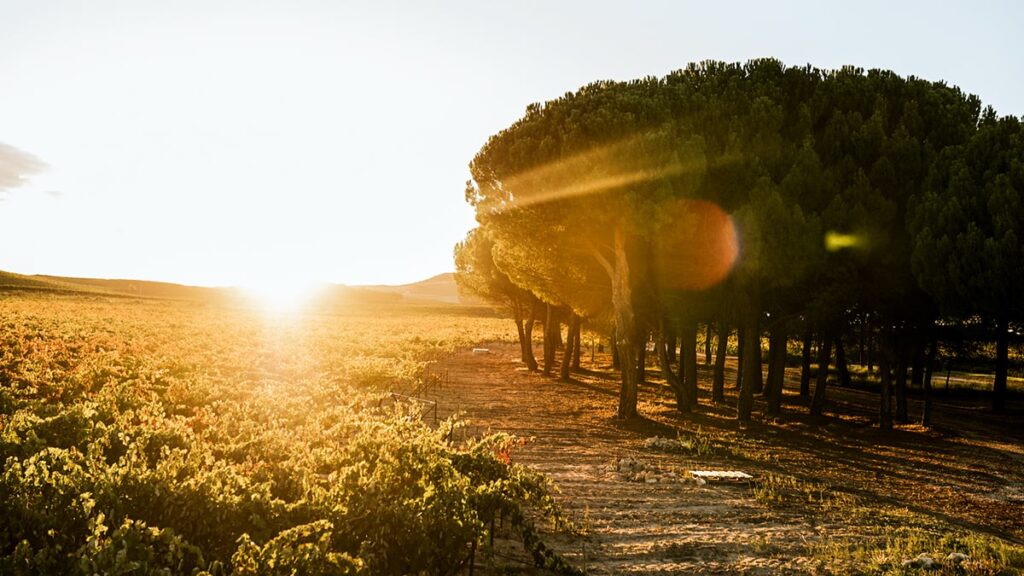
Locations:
(283, 293)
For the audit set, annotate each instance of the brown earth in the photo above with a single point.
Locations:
(966, 473)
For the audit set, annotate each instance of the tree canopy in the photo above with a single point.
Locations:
(807, 196)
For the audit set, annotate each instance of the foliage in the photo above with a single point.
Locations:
(580, 196)
(175, 438)
(969, 226)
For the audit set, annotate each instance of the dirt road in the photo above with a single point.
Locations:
(682, 527)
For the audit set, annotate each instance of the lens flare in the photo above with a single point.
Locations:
(835, 241)
(636, 160)
(697, 247)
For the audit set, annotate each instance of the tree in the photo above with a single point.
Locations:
(968, 227)
(581, 198)
(578, 190)
(476, 273)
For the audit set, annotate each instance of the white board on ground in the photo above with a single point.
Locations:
(720, 474)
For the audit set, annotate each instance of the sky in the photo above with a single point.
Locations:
(235, 143)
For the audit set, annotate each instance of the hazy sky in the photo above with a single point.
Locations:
(220, 143)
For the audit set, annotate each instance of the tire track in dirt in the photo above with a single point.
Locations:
(635, 528)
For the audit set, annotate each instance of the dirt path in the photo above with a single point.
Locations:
(635, 527)
(682, 527)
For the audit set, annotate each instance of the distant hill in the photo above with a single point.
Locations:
(136, 288)
(11, 281)
(440, 288)
(142, 288)
(437, 289)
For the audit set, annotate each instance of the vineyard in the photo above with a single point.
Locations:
(181, 437)
(161, 437)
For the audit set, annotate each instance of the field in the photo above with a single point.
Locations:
(158, 436)
(154, 436)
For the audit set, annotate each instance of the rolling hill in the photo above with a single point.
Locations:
(440, 288)
(437, 289)
(118, 288)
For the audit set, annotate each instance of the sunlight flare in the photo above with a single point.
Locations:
(283, 293)
(607, 168)
(835, 241)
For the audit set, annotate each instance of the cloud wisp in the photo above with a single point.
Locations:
(16, 166)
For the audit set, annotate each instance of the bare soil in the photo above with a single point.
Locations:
(967, 471)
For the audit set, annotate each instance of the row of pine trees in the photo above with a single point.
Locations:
(790, 205)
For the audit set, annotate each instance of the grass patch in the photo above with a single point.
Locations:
(780, 490)
(893, 551)
(889, 540)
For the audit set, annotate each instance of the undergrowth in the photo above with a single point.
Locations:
(889, 540)
(149, 437)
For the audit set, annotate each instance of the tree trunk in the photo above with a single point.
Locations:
(776, 368)
(821, 383)
(751, 366)
(688, 358)
(1002, 362)
(758, 382)
(861, 341)
(521, 329)
(766, 381)
(551, 327)
(766, 390)
(671, 339)
(871, 346)
(707, 344)
(675, 383)
(900, 349)
(641, 362)
(718, 380)
(528, 357)
(805, 364)
(841, 367)
(616, 363)
(885, 408)
(918, 359)
(625, 320)
(570, 347)
(741, 339)
(926, 384)
(577, 345)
